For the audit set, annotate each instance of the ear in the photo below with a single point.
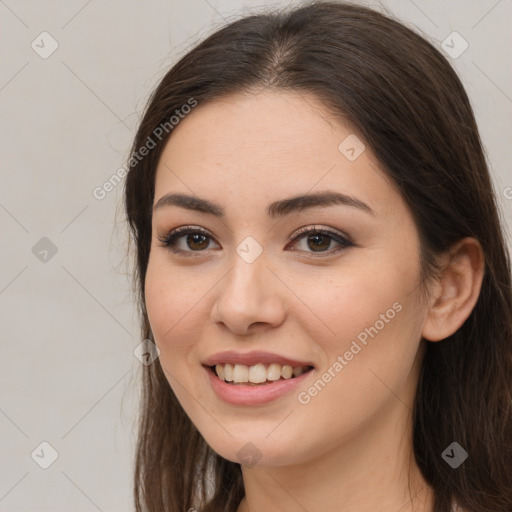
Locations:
(455, 293)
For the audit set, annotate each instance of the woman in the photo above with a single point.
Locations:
(321, 265)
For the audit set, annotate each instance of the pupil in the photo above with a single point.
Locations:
(194, 238)
(318, 245)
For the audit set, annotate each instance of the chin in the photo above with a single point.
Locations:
(257, 451)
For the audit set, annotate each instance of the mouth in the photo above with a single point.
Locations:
(256, 375)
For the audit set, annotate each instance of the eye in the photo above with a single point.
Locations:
(319, 239)
(196, 239)
(189, 241)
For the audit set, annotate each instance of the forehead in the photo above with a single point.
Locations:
(266, 145)
(269, 126)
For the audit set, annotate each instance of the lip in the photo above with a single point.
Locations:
(252, 358)
(240, 394)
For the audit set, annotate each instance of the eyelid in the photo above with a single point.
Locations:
(316, 227)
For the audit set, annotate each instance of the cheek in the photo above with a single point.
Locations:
(368, 365)
(173, 306)
(373, 316)
(377, 319)
(369, 290)
(171, 303)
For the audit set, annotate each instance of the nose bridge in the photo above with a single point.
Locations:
(248, 295)
(245, 283)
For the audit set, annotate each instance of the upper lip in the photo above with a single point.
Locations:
(251, 359)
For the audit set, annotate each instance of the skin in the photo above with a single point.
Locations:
(349, 448)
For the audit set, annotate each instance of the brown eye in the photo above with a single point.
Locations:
(195, 240)
(319, 240)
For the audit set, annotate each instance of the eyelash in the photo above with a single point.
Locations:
(169, 240)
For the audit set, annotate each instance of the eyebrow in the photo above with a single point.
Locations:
(277, 209)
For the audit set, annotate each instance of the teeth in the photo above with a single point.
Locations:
(297, 371)
(257, 374)
(241, 373)
(287, 372)
(228, 372)
(274, 372)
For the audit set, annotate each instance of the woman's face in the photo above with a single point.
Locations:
(247, 286)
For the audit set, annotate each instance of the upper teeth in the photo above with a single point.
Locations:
(258, 373)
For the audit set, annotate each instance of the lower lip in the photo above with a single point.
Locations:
(238, 394)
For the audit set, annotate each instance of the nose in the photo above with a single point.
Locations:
(249, 298)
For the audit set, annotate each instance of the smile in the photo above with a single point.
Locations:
(258, 374)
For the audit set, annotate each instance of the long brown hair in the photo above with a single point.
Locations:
(411, 109)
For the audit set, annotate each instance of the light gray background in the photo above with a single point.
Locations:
(68, 325)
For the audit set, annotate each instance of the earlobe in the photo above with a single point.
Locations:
(455, 294)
